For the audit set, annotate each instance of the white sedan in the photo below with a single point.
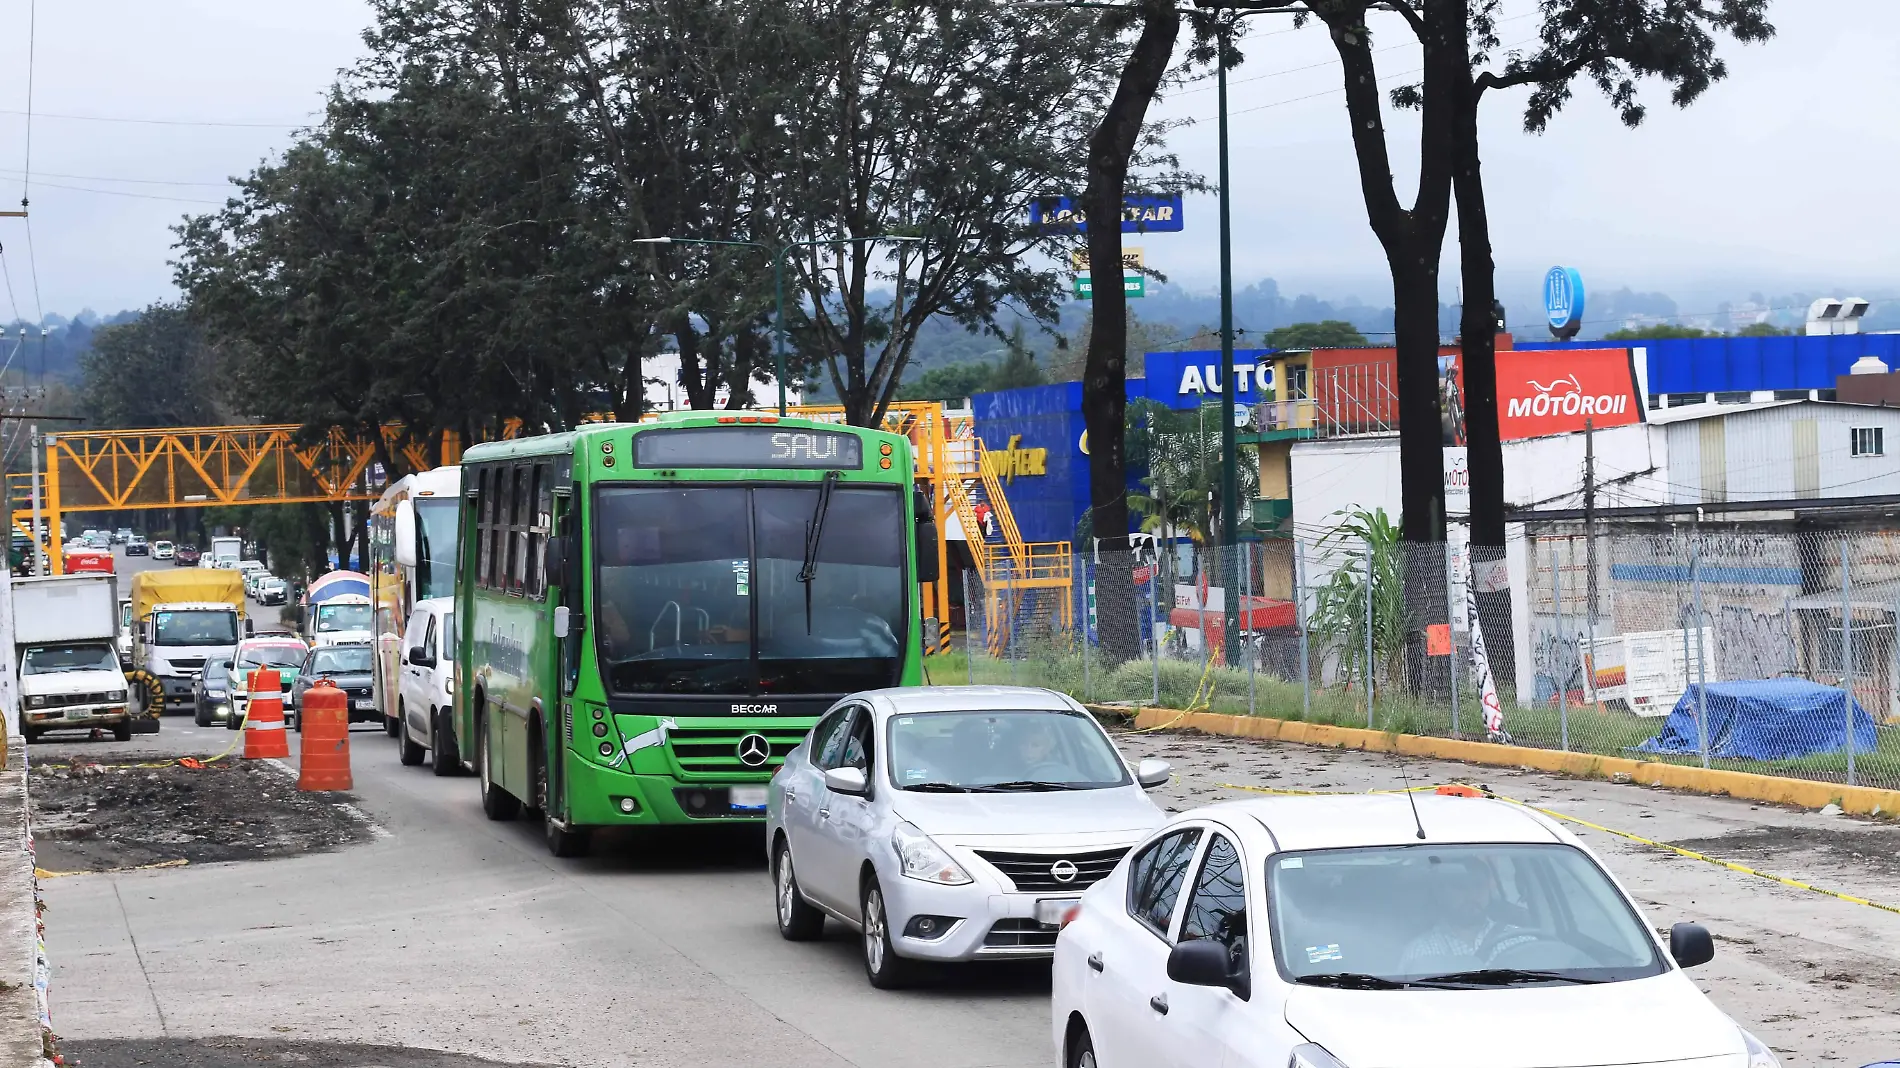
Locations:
(1341, 932)
(950, 823)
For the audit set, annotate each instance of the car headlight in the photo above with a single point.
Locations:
(1759, 1055)
(215, 695)
(924, 859)
(1308, 1055)
(36, 701)
(116, 695)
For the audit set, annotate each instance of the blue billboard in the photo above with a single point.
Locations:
(1737, 364)
(1188, 379)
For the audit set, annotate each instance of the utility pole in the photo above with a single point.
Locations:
(33, 439)
(1590, 555)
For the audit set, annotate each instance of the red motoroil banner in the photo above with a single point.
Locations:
(1558, 391)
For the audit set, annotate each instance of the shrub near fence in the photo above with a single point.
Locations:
(1612, 636)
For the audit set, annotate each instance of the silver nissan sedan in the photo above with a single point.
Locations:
(950, 823)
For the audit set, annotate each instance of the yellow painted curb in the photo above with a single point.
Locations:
(1775, 789)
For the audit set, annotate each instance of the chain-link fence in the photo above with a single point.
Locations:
(1713, 648)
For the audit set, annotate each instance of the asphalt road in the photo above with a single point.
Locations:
(449, 932)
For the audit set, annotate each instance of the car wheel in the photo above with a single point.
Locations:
(411, 752)
(444, 759)
(497, 804)
(798, 920)
(30, 735)
(1081, 1050)
(122, 731)
(882, 965)
(203, 718)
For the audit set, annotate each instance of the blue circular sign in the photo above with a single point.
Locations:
(1563, 300)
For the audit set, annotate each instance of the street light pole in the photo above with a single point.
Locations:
(1230, 391)
(778, 283)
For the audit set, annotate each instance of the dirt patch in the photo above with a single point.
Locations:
(91, 817)
(1833, 845)
(249, 1052)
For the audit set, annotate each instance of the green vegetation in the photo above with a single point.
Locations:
(1326, 334)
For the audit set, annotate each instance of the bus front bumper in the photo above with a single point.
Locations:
(598, 797)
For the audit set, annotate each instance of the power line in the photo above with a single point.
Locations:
(129, 193)
(110, 178)
(160, 122)
(26, 179)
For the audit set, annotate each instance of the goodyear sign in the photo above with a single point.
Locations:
(1140, 215)
(1012, 460)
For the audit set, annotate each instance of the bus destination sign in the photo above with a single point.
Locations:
(747, 446)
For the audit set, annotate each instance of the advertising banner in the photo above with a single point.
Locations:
(1556, 391)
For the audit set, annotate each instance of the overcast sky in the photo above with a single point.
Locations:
(1780, 179)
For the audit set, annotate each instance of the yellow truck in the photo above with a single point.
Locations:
(183, 619)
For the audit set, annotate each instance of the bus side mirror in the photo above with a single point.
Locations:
(250, 626)
(557, 562)
(406, 533)
(926, 550)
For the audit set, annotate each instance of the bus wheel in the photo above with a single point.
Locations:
(411, 752)
(567, 841)
(444, 759)
(497, 804)
(392, 726)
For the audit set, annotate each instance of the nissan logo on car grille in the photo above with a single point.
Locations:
(1063, 871)
(754, 750)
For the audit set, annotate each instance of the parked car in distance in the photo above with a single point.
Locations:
(186, 556)
(137, 546)
(162, 550)
(211, 694)
(949, 823)
(350, 666)
(249, 569)
(272, 590)
(1321, 932)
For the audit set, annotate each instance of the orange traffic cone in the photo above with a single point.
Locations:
(325, 722)
(264, 722)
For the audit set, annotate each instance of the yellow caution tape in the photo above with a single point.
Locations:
(44, 874)
(1637, 838)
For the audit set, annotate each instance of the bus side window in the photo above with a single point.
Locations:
(499, 520)
(518, 530)
(482, 499)
(542, 498)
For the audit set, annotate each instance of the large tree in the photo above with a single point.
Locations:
(151, 372)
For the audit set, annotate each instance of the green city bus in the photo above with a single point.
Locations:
(653, 615)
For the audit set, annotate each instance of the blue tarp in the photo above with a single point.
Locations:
(1766, 719)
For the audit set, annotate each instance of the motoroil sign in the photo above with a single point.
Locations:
(1556, 392)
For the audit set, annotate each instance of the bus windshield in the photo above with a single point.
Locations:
(332, 618)
(700, 589)
(436, 521)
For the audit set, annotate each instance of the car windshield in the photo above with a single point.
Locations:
(1002, 750)
(341, 660)
(280, 656)
(42, 661)
(437, 524)
(700, 589)
(332, 618)
(201, 626)
(217, 674)
(1454, 915)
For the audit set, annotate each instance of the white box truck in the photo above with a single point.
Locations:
(66, 628)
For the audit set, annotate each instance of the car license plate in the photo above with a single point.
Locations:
(747, 798)
(1050, 910)
(361, 704)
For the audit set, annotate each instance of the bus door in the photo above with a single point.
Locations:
(563, 600)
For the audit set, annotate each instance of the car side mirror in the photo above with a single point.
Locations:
(1205, 962)
(1153, 773)
(847, 781)
(1691, 944)
(250, 627)
(418, 657)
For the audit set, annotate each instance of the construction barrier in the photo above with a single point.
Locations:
(264, 736)
(324, 719)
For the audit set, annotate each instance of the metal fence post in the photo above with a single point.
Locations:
(1246, 626)
(1562, 669)
(1701, 649)
(1451, 630)
(1299, 612)
(1154, 618)
(1847, 655)
(1009, 633)
(1082, 576)
(1371, 672)
(969, 650)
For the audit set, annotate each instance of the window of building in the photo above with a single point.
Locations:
(1868, 441)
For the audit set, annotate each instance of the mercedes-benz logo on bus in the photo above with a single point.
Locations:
(1063, 871)
(754, 751)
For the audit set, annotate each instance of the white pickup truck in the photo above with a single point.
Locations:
(66, 629)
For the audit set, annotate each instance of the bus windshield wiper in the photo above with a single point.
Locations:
(1501, 977)
(814, 535)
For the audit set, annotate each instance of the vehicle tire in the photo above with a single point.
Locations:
(536, 805)
(562, 841)
(392, 726)
(202, 718)
(798, 920)
(444, 759)
(497, 803)
(1081, 1052)
(30, 735)
(122, 732)
(882, 966)
(411, 752)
